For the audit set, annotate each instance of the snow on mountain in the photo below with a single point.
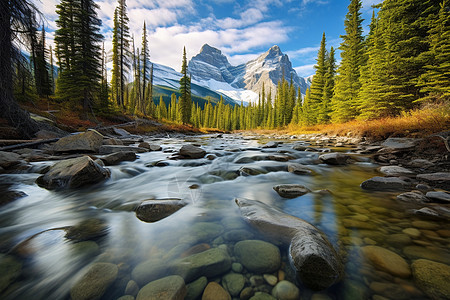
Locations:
(243, 82)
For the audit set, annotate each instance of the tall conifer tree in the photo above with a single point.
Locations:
(185, 91)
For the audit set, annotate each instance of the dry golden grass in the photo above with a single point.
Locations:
(427, 120)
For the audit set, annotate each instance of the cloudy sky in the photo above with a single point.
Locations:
(241, 29)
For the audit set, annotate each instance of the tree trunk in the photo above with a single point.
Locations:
(9, 109)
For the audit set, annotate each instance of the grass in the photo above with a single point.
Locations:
(430, 119)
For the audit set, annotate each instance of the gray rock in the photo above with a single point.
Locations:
(334, 158)
(89, 229)
(262, 296)
(237, 267)
(299, 147)
(155, 210)
(426, 212)
(400, 143)
(191, 151)
(291, 190)
(10, 271)
(270, 145)
(73, 173)
(118, 157)
(258, 256)
(237, 235)
(233, 283)
(9, 159)
(95, 282)
(209, 263)
(395, 171)
(439, 197)
(432, 277)
(108, 149)
(385, 184)
(285, 290)
(195, 288)
(413, 197)
(132, 288)
(317, 263)
(252, 171)
(420, 163)
(148, 271)
(89, 141)
(299, 169)
(167, 288)
(112, 142)
(440, 179)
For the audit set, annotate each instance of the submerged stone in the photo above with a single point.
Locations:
(191, 151)
(386, 260)
(385, 184)
(167, 288)
(95, 282)
(291, 190)
(285, 290)
(258, 256)
(155, 210)
(432, 277)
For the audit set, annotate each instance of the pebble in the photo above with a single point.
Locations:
(270, 279)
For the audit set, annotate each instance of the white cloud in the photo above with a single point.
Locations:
(302, 52)
(241, 58)
(305, 71)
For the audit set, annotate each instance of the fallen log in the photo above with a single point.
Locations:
(316, 262)
(19, 144)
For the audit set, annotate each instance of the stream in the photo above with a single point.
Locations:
(43, 262)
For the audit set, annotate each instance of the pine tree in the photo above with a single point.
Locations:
(328, 89)
(345, 99)
(41, 72)
(317, 85)
(435, 82)
(145, 56)
(185, 91)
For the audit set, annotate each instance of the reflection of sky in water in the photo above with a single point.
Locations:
(55, 267)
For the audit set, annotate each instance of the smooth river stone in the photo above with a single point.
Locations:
(391, 290)
(285, 290)
(258, 256)
(436, 254)
(433, 278)
(167, 288)
(233, 283)
(214, 291)
(95, 282)
(386, 260)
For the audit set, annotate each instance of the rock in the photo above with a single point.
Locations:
(438, 255)
(108, 149)
(95, 282)
(214, 291)
(148, 271)
(420, 163)
(237, 235)
(252, 171)
(233, 283)
(246, 293)
(413, 197)
(10, 271)
(191, 151)
(155, 210)
(291, 190)
(395, 171)
(10, 196)
(299, 169)
(440, 180)
(398, 240)
(89, 141)
(270, 279)
(237, 267)
(334, 158)
(385, 184)
(391, 290)
(285, 290)
(203, 232)
(439, 197)
(167, 288)
(73, 173)
(426, 212)
(118, 157)
(270, 145)
(433, 278)
(400, 143)
(150, 147)
(126, 297)
(132, 288)
(208, 263)
(195, 288)
(121, 132)
(262, 296)
(195, 249)
(425, 225)
(89, 229)
(258, 256)
(314, 258)
(9, 159)
(299, 147)
(387, 261)
(112, 142)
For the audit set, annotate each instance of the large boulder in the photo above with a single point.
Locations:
(400, 144)
(89, 141)
(155, 210)
(209, 263)
(387, 261)
(291, 190)
(118, 157)
(385, 184)
(314, 258)
(440, 179)
(258, 256)
(73, 173)
(191, 151)
(95, 282)
(334, 158)
(432, 277)
(9, 159)
(167, 288)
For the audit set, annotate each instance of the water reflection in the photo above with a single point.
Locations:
(350, 217)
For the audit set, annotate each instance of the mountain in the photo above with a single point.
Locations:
(243, 82)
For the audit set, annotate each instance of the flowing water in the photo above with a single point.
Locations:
(47, 263)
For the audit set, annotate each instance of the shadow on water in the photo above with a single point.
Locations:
(43, 262)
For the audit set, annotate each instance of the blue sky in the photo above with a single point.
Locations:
(241, 29)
